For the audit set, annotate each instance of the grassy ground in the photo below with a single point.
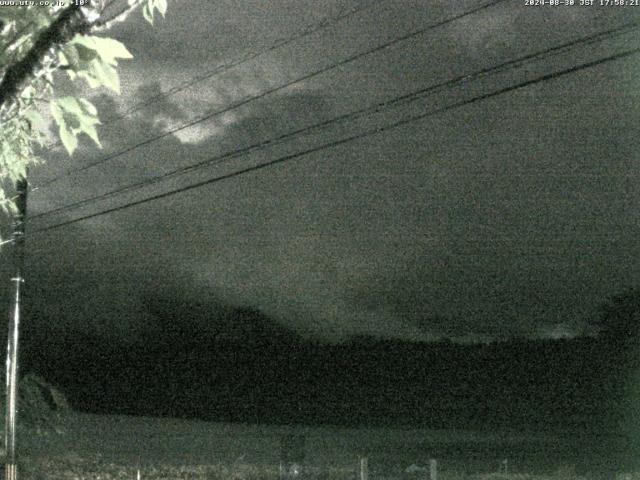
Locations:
(86, 468)
(118, 447)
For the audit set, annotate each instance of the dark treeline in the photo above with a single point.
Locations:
(263, 373)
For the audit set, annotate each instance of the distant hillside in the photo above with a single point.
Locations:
(248, 368)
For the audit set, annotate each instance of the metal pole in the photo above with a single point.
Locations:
(11, 411)
(364, 468)
(433, 469)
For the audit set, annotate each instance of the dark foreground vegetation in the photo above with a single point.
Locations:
(246, 367)
(271, 375)
(584, 391)
(117, 447)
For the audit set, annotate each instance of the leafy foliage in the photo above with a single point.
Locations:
(94, 59)
(151, 6)
(87, 56)
(20, 127)
(74, 116)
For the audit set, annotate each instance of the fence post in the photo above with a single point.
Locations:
(433, 469)
(364, 468)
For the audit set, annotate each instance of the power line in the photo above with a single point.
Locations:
(220, 69)
(282, 42)
(367, 133)
(352, 115)
(247, 57)
(265, 93)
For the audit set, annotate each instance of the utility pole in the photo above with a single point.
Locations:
(11, 410)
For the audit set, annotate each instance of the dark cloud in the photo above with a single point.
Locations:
(511, 216)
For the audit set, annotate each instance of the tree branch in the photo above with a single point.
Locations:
(120, 16)
(70, 22)
(16, 37)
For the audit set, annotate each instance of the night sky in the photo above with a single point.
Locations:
(516, 215)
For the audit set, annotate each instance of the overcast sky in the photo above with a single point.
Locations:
(515, 215)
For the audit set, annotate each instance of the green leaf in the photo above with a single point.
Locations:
(8, 207)
(71, 120)
(106, 75)
(147, 13)
(37, 122)
(85, 54)
(28, 92)
(56, 113)
(161, 5)
(108, 49)
(19, 171)
(90, 77)
(111, 49)
(150, 6)
(23, 41)
(69, 139)
(98, 57)
(88, 107)
(75, 116)
(69, 105)
(93, 58)
(86, 41)
(91, 131)
(62, 58)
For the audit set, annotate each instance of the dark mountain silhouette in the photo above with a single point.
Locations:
(245, 366)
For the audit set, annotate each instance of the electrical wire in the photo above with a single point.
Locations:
(335, 143)
(220, 69)
(265, 93)
(282, 42)
(376, 108)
